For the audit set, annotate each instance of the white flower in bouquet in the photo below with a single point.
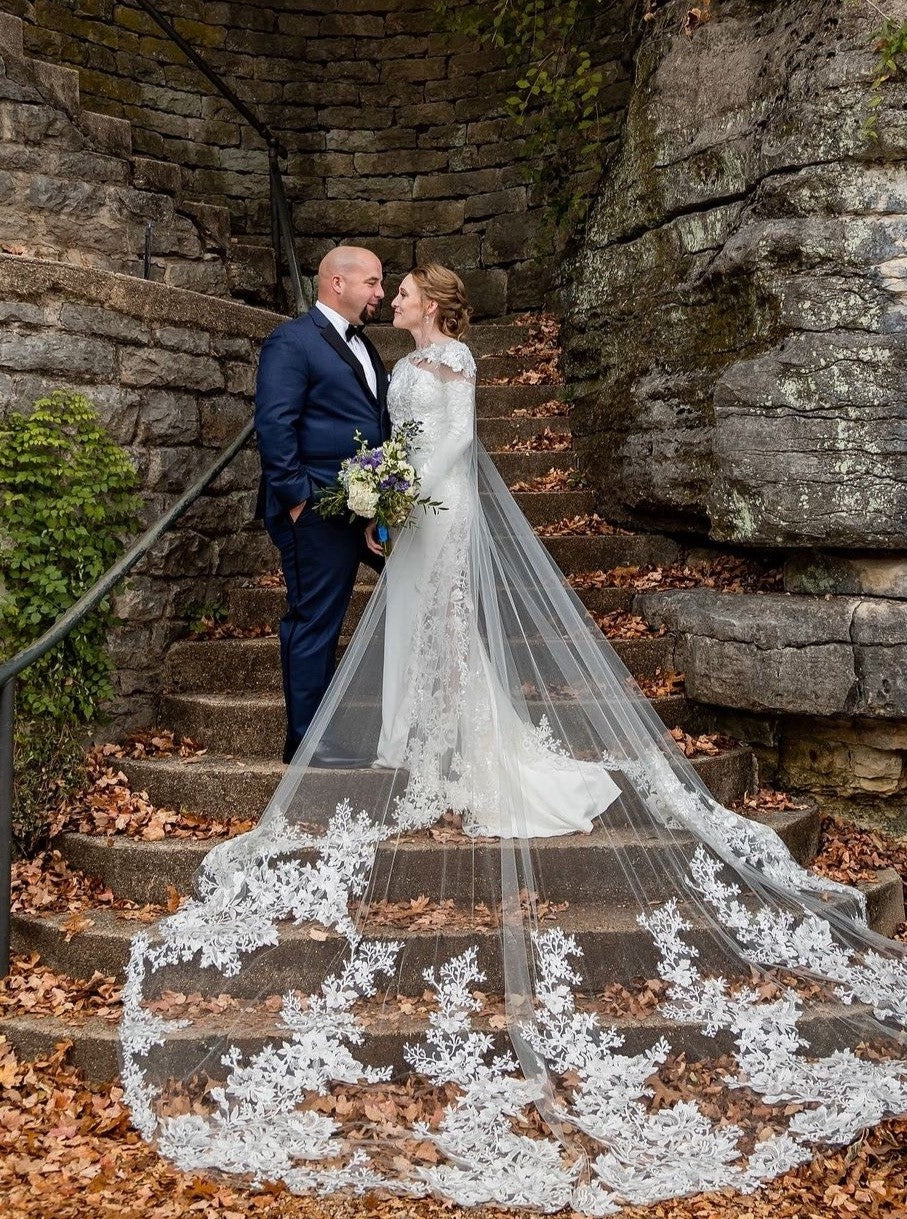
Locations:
(361, 499)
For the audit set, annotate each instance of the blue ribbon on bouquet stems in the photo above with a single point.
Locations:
(383, 535)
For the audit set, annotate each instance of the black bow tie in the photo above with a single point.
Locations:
(353, 332)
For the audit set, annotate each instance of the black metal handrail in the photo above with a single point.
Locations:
(11, 669)
(281, 220)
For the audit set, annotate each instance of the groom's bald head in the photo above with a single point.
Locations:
(349, 281)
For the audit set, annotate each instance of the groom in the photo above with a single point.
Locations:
(319, 379)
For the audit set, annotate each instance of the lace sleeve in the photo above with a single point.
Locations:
(454, 370)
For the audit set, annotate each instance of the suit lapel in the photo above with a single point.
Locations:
(330, 335)
(380, 371)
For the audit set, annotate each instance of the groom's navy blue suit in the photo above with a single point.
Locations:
(311, 397)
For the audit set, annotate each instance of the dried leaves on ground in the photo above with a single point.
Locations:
(586, 525)
(849, 853)
(33, 989)
(620, 624)
(553, 480)
(48, 884)
(67, 1151)
(545, 441)
(662, 685)
(725, 573)
(107, 805)
(541, 345)
(706, 744)
(551, 409)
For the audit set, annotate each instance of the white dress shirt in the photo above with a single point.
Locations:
(356, 345)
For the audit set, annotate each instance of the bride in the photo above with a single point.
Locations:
(524, 958)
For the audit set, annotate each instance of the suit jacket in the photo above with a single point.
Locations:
(310, 397)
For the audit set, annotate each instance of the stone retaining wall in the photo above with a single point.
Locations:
(172, 374)
(398, 134)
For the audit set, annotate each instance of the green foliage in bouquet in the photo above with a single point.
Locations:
(67, 505)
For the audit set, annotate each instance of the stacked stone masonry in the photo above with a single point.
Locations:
(172, 374)
(71, 190)
(398, 134)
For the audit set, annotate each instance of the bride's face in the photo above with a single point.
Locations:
(409, 306)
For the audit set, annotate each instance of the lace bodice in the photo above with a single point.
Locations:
(435, 385)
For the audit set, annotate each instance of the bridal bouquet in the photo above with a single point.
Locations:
(378, 484)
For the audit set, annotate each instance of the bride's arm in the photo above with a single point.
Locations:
(457, 393)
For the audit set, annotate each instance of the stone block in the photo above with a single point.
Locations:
(222, 416)
(487, 291)
(410, 161)
(23, 311)
(239, 378)
(155, 366)
(457, 185)
(819, 679)
(180, 338)
(168, 418)
(459, 252)
(510, 203)
(91, 319)
(848, 758)
(425, 219)
(66, 355)
(380, 189)
(337, 218)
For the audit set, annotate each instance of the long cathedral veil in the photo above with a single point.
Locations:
(409, 977)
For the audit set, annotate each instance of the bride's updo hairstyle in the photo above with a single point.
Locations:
(439, 284)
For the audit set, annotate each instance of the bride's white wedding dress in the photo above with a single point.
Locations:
(479, 742)
(482, 968)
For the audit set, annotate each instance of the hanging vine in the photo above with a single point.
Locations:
(549, 46)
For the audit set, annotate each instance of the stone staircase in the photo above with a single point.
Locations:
(224, 693)
(72, 191)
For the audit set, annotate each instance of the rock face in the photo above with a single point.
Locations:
(819, 683)
(736, 342)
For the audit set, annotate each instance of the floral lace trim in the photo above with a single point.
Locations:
(450, 352)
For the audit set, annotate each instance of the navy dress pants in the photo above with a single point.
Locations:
(320, 556)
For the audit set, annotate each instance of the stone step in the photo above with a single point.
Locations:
(250, 666)
(108, 133)
(500, 400)
(615, 948)
(250, 606)
(602, 867)
(521, 467)
(489, 368)
(219, 787)
(252, 724)
(497, 431)
(251, 267)
(95, 1046)
(162, 177)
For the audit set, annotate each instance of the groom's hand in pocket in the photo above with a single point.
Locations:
(296, 512)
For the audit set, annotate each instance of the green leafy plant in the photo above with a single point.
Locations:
(67, 505)
(890, 44)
